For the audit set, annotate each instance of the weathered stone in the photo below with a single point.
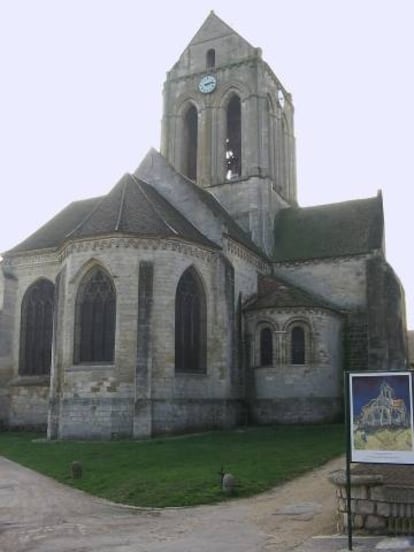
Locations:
(229, 483)
(383, 509)
(375, 522)
(76, 469)
(364, 507)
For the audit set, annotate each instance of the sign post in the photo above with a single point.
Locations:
(379, 422)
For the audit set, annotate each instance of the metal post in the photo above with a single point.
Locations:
(348, 460)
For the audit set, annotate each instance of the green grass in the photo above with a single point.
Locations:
(180, 471)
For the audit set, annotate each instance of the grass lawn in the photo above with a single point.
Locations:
(180, 471)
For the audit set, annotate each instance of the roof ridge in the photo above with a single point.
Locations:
(346, 201)
(88, 216)
(151, 203)
(121, 207)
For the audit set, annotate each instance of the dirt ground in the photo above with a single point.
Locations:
(40, 515)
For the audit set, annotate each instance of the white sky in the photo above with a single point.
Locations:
(80, 99)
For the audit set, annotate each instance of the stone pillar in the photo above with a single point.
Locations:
(143, 410)
(56, 364)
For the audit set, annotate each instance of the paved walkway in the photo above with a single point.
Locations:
(38, 514)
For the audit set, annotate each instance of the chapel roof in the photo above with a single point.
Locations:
(132, 207)
(274, 292)
(334, 230)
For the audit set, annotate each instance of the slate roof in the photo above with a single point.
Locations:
(132, 207)
(232, 229)
(274, 292)
(53, 233)
(334, 230)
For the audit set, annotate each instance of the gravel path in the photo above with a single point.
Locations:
(40, 515)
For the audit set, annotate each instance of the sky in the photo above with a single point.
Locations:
(81, 98)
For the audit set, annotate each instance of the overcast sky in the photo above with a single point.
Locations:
(80, 99)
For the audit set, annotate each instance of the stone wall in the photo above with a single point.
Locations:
(28, 402)
(290, 393)
(185, 415)
(387, 338)
(376, 508)
(25, 399)
(341, 280)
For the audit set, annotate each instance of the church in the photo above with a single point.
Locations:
(197, 293)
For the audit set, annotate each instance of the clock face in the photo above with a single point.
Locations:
(207, 84)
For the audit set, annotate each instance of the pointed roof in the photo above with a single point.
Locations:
(156, 170)
(274, 292)
(334, 230)
(213, 28)
(131, 208)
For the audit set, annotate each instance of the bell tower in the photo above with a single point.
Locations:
(228, 126)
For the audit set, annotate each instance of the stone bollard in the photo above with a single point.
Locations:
(228, 484)
(76, 470)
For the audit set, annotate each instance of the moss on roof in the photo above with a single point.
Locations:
(334, 230)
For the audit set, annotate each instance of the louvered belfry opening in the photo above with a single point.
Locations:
(36, 329)
(190, 143)
(95, 318)
(190, 324)
(233, 138)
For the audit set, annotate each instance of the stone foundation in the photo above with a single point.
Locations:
(307, 410)
(376, 508)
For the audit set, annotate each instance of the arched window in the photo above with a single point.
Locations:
(266, 347)
(190, 143)
(190, 324)
(297, 345)
(95, 318)
(36, 329)
(211, 58)
(233, 138)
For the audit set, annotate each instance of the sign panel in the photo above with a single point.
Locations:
(381, 417)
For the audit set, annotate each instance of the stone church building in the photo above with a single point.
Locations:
(197, 293)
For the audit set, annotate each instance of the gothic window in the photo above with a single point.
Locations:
(190, 143)
(266, 347)
(190, 324)
(297, 345)
(211, 58)
(95, 318)
(36, 329)
(233, 138)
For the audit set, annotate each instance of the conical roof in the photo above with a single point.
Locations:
(131, 208)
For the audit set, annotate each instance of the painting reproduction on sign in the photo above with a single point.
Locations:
(381, 417)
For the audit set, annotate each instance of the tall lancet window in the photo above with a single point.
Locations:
(95, 318)
(36, 329)
(233, 138)
(190, 324)
(190, 143)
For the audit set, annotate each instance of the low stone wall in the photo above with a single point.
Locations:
(376, 508)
